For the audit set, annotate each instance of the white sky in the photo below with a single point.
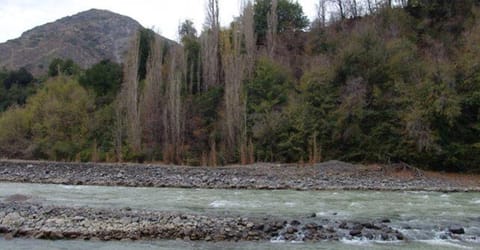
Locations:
(17, 16)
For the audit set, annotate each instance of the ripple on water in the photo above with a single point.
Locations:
(219, 203)
(73, 187)
(356, 204)
(227, 204)
(445, 243)
(290, 204)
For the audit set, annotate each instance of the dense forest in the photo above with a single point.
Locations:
(367, 81)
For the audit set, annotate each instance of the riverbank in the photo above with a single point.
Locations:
(18, 219)
(332, 175)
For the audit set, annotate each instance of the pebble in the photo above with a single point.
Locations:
(326, 175)
(120, 224)
(457, 230)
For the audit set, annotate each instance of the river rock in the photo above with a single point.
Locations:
(457, 230)
(13, 219)
(355, 232)
(385, 220)
(78, 218)
(326, 175)
(3, 229)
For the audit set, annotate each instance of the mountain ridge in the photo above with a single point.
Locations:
(86, 37)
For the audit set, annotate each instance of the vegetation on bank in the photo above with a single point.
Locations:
(367, 81)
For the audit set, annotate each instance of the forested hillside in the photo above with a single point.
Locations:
(367, 81)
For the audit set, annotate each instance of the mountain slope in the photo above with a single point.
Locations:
(86, 37)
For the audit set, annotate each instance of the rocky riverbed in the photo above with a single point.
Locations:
(333, 175)
(18, 219)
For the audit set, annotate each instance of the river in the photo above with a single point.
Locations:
(423, 217)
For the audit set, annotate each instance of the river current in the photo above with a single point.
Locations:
(423, 217)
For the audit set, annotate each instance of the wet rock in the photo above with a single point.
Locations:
(457, 230)
(355, 232)
(3, 229)
(357, 227)
(399, 236)
(343, 225)
(291, 230)
(369, 235)
(368, 225)
(40, 235)
(75, 235)
(295, 223)
(311, 225)
(267, 229)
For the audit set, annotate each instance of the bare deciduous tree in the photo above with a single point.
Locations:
(341, 8)
(152, 102)
(322, 12)
(352, 8)
(128, 114)
(119, 127)
(235, 68)
(250, 39)
(210, 40)
(272, 21)
(173, 122)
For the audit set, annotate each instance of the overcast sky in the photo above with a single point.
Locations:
(17, 16)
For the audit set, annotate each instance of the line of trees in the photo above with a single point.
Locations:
(367, 81)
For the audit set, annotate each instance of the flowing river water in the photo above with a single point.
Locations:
(423, 217)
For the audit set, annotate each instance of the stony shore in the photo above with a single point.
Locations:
(333, 175)
(30, 220)
(19, 217)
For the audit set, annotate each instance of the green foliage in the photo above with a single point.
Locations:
(202, 114)
(15, 133)
(268, 90)
(20, 77)
(16, 87)
(61, 116)
(104, 78)
(192, 49)
(62, 67)
(100, 129)
(290, 17)
(267, 94)
(147, 36)
(187, 30)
